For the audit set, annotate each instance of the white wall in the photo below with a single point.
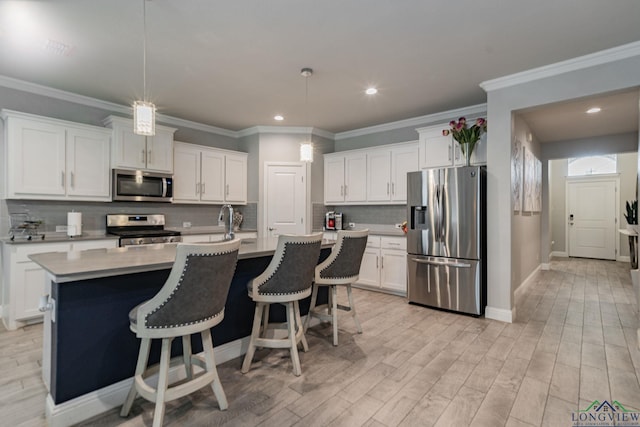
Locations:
(627, 170)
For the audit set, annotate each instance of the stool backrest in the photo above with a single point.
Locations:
(291, 268)
(194, 295)
(343, 265)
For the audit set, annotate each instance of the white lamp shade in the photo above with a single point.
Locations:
(144, 118)
(306, 152)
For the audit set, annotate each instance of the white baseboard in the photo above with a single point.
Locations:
(624, 258)
(526, 283)
(499, 314)
(545, 266)
(96, 402)
(558, 254)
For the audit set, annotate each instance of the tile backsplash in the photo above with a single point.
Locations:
(54, 213)
(378, 214)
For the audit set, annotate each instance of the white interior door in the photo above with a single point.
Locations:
(591, 218)
(285, 189)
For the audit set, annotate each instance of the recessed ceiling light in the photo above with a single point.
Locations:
(594, 110)
(371, 91)
(278, 117)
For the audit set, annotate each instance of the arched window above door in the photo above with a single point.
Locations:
(593, 165)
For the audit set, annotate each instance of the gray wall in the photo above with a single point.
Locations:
(617, 74)
(525, 226)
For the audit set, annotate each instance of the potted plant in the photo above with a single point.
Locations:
(467, 137)
(632, 216)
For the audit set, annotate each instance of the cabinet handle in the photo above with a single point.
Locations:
(342, 190)
(143, 156)
(381, 262)
(73, 181)
(450, 147)
(62, 178)
(345, 191)
(197, 187)
(202, 187)
(149, 158)
(377, 261)
(393, 188)
(457, 152)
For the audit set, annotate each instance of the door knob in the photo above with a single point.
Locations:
(271, 228)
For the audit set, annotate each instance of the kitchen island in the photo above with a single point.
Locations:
(89, 352)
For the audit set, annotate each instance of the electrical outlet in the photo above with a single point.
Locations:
(61, 228)
(186, 224)
(398, 225)
(352, 225)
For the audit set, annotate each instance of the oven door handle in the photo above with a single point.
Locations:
(442, 263)
(164, 187)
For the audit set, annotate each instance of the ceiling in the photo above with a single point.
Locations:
(236, 64)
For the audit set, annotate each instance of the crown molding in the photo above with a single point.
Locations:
(412, 122)
(574, 64)
(50, 92)
(302, 130)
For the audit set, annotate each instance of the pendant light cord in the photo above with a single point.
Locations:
(144, 50)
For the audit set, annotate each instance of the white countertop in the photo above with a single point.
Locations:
(95, 263)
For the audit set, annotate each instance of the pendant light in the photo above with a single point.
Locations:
(306, 147)
(144, 112)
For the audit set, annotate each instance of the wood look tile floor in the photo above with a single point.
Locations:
(574, 342)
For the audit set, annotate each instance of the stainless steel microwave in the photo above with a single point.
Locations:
(141, 186)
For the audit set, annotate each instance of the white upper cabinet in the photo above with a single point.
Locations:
(54, 159)
(132, 151)
(208, 175)
(369, 176)
(345, 178)
(387, 172)
(235, 178)
(438, 151)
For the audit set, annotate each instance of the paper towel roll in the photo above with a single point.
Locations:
(74, 223)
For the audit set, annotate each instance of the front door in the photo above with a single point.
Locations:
(285, 189)
(592, 213)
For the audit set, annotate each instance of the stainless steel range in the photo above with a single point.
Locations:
(139, 229)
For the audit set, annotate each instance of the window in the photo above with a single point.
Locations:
(593, 165)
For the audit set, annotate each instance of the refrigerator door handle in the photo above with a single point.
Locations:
(442, 263)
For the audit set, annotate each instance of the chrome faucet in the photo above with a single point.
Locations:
(228, 224)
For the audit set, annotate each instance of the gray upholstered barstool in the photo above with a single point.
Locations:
(286, 280)
(191, 301)
(341, 268)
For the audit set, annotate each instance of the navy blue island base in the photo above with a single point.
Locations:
(92, 346)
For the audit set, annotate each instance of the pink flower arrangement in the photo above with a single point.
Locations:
(466, 137)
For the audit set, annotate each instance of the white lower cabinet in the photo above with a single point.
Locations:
(384, 265)
(24, 281)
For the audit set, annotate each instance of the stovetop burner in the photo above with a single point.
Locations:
(141, 229)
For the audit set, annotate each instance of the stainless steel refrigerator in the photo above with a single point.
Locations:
(446, 238)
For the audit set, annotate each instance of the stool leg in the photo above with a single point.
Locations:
(334, 312)
(255, 333)
(216, 385)
(163, 382)
(186, 355)
(265, 319)
(353, 309)
(299, 328)
(141, 366)
(314, 298)
(293, 348)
